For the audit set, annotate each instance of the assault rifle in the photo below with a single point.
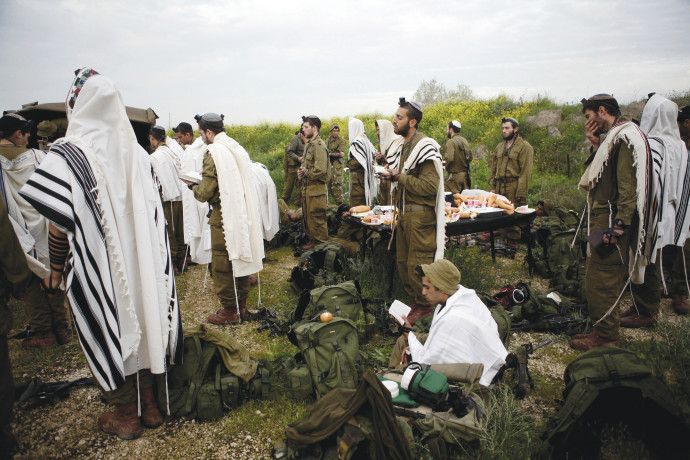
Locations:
(557, 324)
(524, 376)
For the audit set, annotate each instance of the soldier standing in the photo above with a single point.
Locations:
(510, 169)
(458, 158)
(612, 200)
(294, 153)
(417, 177)
(337, 146)
(315, 173)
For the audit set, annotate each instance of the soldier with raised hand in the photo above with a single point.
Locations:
(510, 169)
(315, 173)
(611, 183)
(337, 146)
(458, 158)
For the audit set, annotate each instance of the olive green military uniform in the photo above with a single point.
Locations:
(458, 157)
(416, 230)
(14, 279)
(127, 392)
(314, 195)
(172, 210)
(606, 276)
(357, 194)
(676, 259)
(45, 314)
(510, 169)
(223, 278)
(293, 151)
(335, 183)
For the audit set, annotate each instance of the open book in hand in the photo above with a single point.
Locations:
(190, 176)
(398, 310)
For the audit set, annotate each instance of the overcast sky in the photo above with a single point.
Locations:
(277, 60)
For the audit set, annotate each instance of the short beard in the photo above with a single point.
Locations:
(510, 137)
(402, 131)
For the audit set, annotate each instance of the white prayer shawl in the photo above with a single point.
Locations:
(364, 152)
(642, 244)
(428, 149)
(659, 123)
(166, 165)
(240, 211)
(197, 232)
(29, 225)
(97, 185)
(390, 143)
(462, 332)
(175, 147)
(267, 199)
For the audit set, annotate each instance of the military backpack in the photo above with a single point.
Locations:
(330, 350)
(203, 388)
(609, 386)
(320, 266)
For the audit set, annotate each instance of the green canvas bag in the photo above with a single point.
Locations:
(216, 374)
(612, 386)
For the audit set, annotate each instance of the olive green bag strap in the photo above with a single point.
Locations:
(197, 378)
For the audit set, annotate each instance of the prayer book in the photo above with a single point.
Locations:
(398, 309)
(191, 176)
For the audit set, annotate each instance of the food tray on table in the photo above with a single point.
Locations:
(483, 213)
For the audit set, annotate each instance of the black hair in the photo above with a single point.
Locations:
(158, 133)
(609, 103)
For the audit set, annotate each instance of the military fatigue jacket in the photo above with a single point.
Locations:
(208, 191)
(336, 145)
(514, 163)
(458, 154)
(420, 184)
(318, 168)
(294, 150)
(617, 185)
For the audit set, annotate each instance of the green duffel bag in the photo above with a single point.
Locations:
(612, 386)
(331, 351)
(425, 385)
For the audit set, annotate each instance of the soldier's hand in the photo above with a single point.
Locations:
(591, 128)
(299, 159)
(613, 235)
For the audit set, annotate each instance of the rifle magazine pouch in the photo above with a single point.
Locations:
(229, 387)
(209, 405)
(299, 378)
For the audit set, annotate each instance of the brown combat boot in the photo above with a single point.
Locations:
(244, 311)
(680, 304)
(592, 341)
(150, 415)
(633, 320)
(309, 245)
(62, 335)
(122, 422)
(224, 316)
(44, 340)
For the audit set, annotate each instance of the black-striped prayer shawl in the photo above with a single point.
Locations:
(681, 225)
(364, 154)
(73, 206)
